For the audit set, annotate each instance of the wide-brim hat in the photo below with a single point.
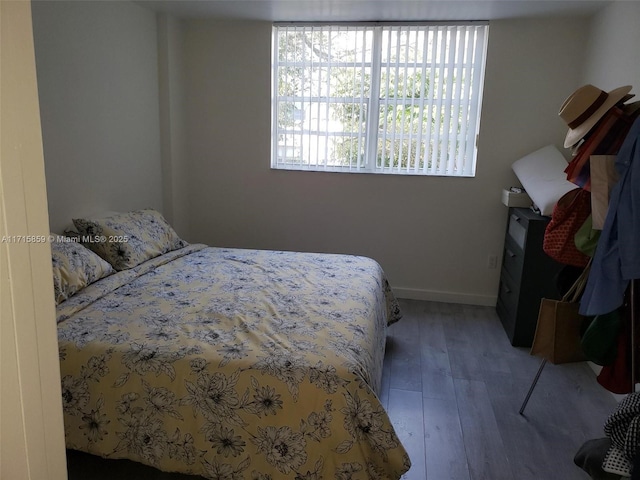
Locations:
(584, 107)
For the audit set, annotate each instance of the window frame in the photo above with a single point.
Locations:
(370, 136)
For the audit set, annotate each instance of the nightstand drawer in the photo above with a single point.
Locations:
(517, 228)
(507, 305)
(513, 259)
(508, 293)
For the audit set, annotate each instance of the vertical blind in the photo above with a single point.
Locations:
(378, 98)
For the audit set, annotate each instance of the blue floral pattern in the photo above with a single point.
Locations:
(128, 239)
(74, 268)
(233, 364)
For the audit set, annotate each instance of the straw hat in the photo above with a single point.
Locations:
(584, 107)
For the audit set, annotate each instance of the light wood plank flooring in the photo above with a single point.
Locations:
(453, 386)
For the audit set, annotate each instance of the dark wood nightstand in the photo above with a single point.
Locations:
(528, 274)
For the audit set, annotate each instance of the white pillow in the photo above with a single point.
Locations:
(74, 268)
(542, 176)
(125, 240)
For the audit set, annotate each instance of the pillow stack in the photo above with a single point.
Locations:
(108, 243)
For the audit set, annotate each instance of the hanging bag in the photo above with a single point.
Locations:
(559, 328)
(599, 340)
(604, 176)
(569, 214)
(586, 238)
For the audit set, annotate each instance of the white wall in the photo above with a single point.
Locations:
(432, 235)
(175, 163)
(613, 50)
(97, 68)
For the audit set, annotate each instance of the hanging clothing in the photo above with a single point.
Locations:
(617, 256)
(623, 428)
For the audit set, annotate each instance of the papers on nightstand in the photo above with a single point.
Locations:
(515, 197)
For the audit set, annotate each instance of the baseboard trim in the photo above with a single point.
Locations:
(446, 297)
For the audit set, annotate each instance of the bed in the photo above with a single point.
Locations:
(219, 362)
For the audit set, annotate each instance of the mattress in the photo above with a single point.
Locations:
(233, 363)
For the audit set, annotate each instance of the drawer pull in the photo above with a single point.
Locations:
(510, 253)
(505, 289)
(515, 217)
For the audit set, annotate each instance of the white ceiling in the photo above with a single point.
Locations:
(371, 10)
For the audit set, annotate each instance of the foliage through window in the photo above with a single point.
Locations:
(378, 98)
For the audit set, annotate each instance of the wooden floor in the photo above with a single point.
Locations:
(453, 386)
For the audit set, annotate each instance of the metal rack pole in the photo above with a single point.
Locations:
(533, 385)
(632, 303)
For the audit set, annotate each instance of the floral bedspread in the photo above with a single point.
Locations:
(233, 364)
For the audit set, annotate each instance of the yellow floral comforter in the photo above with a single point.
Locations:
(233, 364)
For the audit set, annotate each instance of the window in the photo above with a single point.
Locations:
(377, 98)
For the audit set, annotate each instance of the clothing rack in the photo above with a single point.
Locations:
(619, 133)
(632, 306)
(633, 320)
(533, 385)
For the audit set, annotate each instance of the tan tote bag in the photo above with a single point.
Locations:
(559, 328)
(603, 177)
